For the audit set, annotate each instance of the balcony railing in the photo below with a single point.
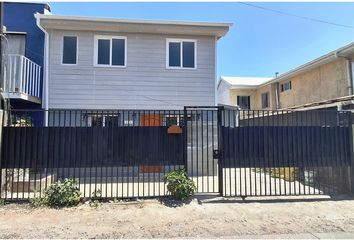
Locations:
(22, 78)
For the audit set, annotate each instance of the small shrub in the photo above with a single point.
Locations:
(64, 193)
(179, 184)
(94, 202)
(115, 200)
(38, 202)
(2, 202)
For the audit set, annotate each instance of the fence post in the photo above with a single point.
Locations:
(2, 175)
(220, 163)
(351, 134)
(185, 140)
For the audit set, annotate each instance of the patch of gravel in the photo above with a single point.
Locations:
(166, 218)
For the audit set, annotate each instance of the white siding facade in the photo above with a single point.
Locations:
(145, 82)
(223, 94)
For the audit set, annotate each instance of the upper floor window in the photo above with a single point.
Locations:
(244, 102)
(69, 50)
(110, 51)
(181, 53)
(285, 86)
(265, 100)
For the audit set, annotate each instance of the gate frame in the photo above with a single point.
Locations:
(220, 111)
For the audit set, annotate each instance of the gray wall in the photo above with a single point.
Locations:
(144, 84)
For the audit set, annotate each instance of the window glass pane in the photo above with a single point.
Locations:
(244, 102)
(69, 50)
(103, 51)
(285, 86)
(174, 54)
(188, 54)
(118, 52)
(265, 100)
(96, 121)
(171, 120)
(112, 121)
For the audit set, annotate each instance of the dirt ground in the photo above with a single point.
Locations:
(200, 218)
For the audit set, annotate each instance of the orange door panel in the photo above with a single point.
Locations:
(150, 120)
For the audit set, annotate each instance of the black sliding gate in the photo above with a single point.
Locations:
(126, 153)
(265, 153)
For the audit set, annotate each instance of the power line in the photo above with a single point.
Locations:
(297, 16)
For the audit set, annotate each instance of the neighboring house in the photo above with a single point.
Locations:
(326, 82)
(240, 91)
(23, 50)
(101, 63)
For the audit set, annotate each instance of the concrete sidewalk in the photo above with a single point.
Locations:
(329, 235)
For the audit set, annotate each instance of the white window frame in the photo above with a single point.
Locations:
(283, 84)
(175, 40)
(77, 50)
(95, 51)
(171, 116)
(89, 118)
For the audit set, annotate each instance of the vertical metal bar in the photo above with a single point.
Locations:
(220, 160)
(124, 157)
(247, 152)
(207, 150)
(130, 113)
(197, 149)
(202, 147)
(229, 152)
(185, 133)
(286, 135)
(236, 142)
(351, 151)
(213, 146)
(327, 128)
(192, 112)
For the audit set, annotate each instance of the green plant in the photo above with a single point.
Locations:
(179, 184)
(64, 193)
(94, 202)
(38, 202)
(115, 200)
(2, 202)
(22, 121)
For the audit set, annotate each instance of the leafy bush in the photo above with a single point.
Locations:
(179, 184)
(94, 202)
(38, 202)
(64, 193)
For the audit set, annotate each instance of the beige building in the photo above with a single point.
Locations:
(325, 82)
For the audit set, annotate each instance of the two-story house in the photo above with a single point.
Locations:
(326, 82)
(102, 63)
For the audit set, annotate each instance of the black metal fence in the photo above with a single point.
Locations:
(285, 152)
(126, 153)
(120, 154)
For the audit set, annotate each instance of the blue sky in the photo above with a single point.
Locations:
(259, 44)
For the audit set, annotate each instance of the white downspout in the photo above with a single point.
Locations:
(45, 69)
(349, 72)
(277, 101)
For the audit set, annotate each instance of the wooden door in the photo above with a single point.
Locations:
(150, 120)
